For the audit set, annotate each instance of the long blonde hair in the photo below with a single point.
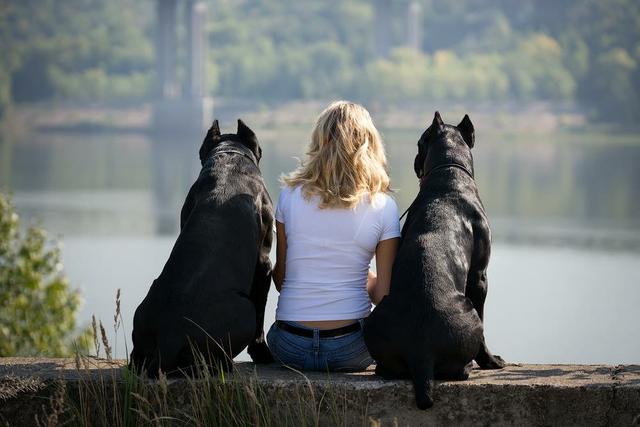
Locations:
(345, 159)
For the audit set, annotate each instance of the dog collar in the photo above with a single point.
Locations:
(446, 165)
(423, 178)
(225, 147)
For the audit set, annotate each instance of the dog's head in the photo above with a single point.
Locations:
(243, 135)
(441, 141)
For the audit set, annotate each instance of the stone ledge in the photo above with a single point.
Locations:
(516, 395)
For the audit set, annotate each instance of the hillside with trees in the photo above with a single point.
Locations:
(584, 52)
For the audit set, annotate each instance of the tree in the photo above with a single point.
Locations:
(613, 90)
(37, 307)
(401, 77)
(75, 49)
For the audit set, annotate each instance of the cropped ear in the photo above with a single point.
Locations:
(244, 131)
(215, 128)
(437, 121)
(249, 139)
(466, 129)
(208, 142)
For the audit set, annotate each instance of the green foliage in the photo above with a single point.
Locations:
(600, 42)
(614, 86)
(109, 394)
(402, 76)
(474, 51)
(279, 50)
(37, 307)
(75, 49)
(11, 51)
(538, 70)
(94, 84)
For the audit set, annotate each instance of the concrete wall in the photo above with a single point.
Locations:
(518, 395)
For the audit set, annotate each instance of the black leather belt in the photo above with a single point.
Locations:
(324, 333)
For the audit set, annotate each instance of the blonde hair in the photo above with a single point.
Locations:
(345, 159)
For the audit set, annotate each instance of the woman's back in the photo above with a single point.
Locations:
(333, 214)
(328, 254)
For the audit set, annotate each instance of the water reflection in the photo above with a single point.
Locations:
(115, 200)
(175, 165)
(136, 183)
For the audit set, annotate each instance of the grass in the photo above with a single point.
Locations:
(115, 395)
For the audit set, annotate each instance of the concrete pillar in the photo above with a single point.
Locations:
(167, 82)
(188, 42)
(382, 29)
(196, 38)
(414, 26)
(174, 167)
(176, 116)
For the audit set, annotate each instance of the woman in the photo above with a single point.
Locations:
(333, 214)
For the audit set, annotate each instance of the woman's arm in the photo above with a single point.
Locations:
(378, 286)
(281, 256)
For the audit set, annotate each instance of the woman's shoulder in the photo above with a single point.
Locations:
(288, 193)
(286, 197)
(383, 201)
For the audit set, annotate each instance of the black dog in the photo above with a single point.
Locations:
(210, 297)
(430, 325)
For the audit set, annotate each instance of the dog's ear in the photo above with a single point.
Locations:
(437, 122)
(215, 128)
(249, 138)
(244, 131)
(209, 140)
(467, 131)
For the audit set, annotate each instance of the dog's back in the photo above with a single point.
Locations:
(429, 326)
(208, 271)
(202, 300)
(427, 315)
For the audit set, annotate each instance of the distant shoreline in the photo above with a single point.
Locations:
(537, 117)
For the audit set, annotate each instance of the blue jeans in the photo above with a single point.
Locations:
(342, 353)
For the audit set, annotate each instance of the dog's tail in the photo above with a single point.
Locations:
(422, 375)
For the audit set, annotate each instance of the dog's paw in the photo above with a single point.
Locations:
(493, 362)
(385, 373)
(260, 353)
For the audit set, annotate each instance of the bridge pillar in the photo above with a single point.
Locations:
(382, 29)
(166, 44)
(414, 26)
(181, 109)
(181, 112)
(196, 76)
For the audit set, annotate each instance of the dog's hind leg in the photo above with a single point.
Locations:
(453, 372)
(144, 355)
(258, 349)
(486, 360)
(476, 291)
(392, 369)
(386, 373)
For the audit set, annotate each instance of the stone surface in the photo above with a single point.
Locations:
(516, 395)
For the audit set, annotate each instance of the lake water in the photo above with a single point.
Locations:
(564, 282)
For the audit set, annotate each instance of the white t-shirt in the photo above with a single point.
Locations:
(328, 255)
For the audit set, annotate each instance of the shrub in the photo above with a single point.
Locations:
(37, 307)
